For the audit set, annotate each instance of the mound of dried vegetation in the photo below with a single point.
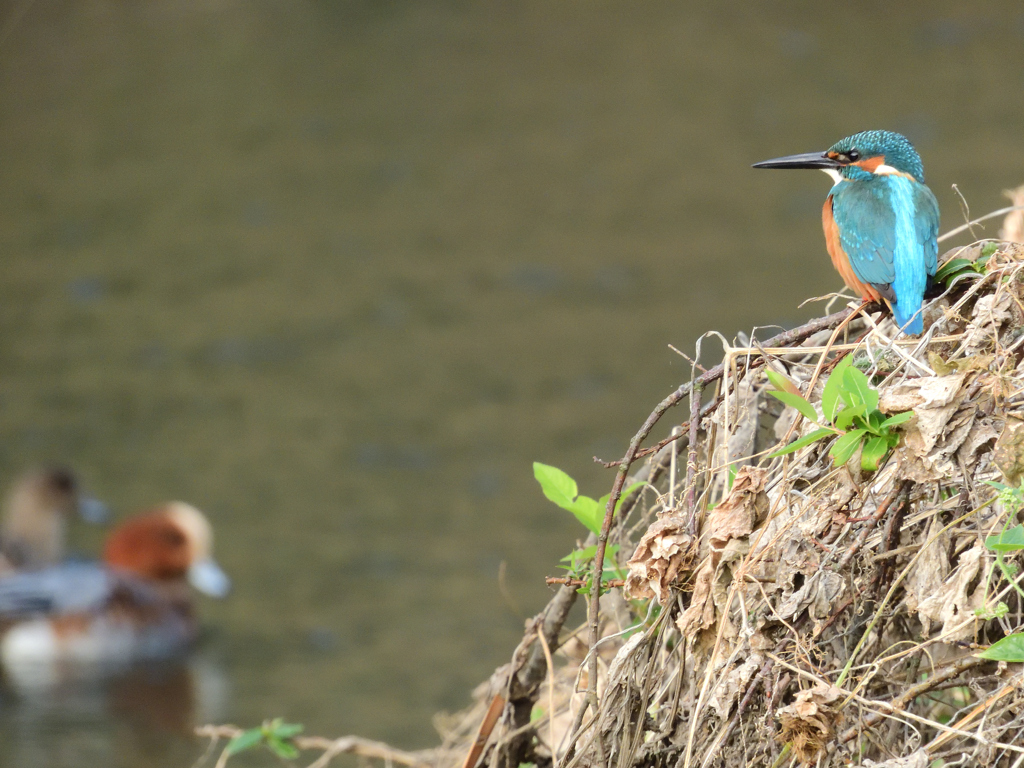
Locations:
(795, 609)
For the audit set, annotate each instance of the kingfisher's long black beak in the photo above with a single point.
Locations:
(808, 160)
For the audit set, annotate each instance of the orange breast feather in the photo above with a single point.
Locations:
(839, 258)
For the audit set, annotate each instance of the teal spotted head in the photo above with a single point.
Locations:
(871, 153)
(881, 222)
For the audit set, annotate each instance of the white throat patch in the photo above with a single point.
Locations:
(888, 170)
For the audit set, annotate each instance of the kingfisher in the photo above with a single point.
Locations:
(881, 222)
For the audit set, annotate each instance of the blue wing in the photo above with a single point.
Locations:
(866, 221)
(926, 221)
(866, 214)
(888, 228)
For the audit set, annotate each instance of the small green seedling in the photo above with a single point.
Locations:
(1011, 647)
(850, 411)
(1008, 540)
(957, 269)
(561, 489)
(577, 565)
(276, 735)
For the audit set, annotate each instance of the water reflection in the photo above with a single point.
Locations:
(95, 717)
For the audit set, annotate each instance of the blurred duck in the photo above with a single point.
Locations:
(135, 605)
(35, 517)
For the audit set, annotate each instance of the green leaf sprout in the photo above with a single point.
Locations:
(849, 406)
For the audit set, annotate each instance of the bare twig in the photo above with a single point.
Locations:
(900, 489)
(687, 358)
(683, 432)
(571, 582)
(969, 224)
(691, 459)
(494, 711)
(900, 702)
(330, 747)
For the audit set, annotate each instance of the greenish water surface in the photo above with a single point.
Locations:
(338, 272)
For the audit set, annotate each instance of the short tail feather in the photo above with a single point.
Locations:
(910, 320)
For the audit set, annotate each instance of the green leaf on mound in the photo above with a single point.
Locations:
(556, 484)
(1010, 648)
(1007, 541)
(846, 446)
(780, 382)
(874, 451)
(245, 740)
(830, 394)
(807, 439)
(847, 415)
(952, 267)
(796, 401)
(858, 390)
(282, 730)
(283, 749)
(897, 418)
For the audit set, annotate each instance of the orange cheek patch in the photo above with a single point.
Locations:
(871, 164)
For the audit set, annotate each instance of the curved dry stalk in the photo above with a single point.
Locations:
(331, 748)
(986, 217)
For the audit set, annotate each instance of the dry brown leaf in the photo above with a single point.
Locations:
(957, 429)
(937, 400)
(982, 431)
(942, 423)
(734, 684)
(810, 721)
(1008, 454)
(950, 603)
(931, 392)
(990, 312)
(920, 470)
(931, 570)
(818, 595)
(739, 513)
(729, 526)
(665, 553)
(618, 668)
(701, 613)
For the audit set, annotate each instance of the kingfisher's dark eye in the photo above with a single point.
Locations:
(854, 155)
